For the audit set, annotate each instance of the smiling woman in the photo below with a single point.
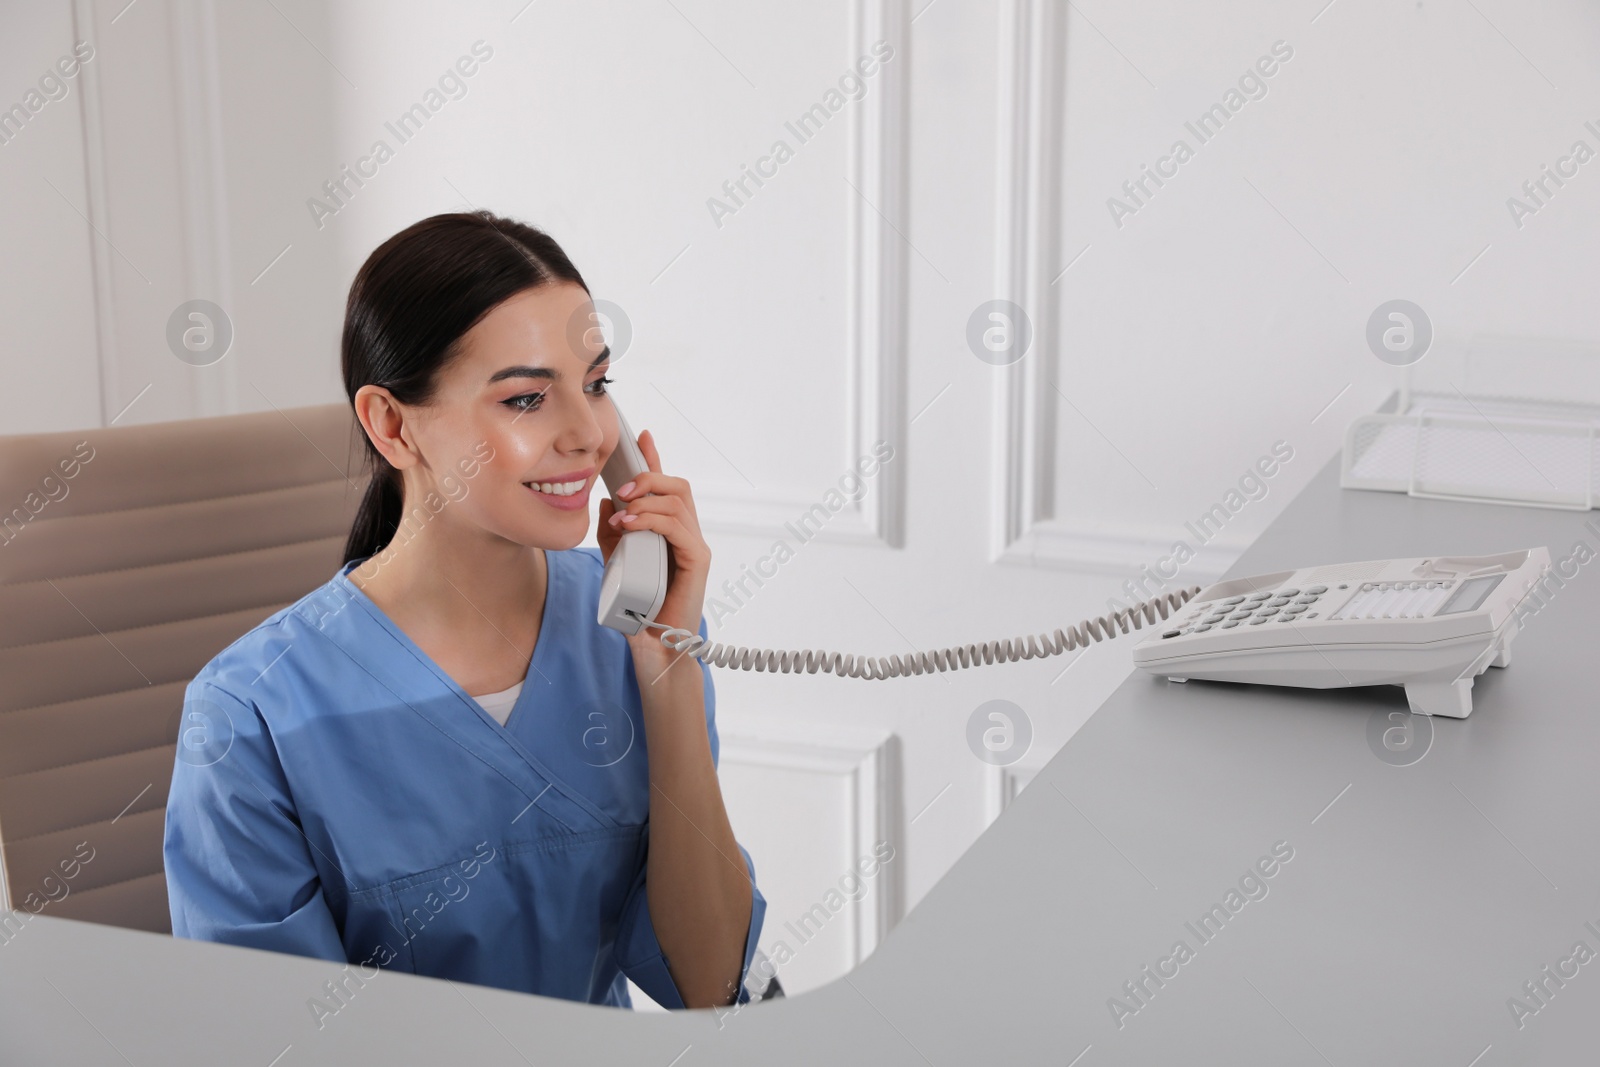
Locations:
(370, 756)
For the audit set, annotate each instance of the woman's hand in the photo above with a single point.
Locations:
(665, 505)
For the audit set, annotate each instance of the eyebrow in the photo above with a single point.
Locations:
(546, 373)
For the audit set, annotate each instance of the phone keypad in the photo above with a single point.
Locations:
(1256, 609)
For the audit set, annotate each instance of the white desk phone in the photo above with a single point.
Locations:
(1431, 625)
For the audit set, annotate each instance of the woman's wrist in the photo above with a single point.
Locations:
(672, 700)
(659, 669)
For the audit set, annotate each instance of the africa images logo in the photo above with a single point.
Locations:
(1252, 887)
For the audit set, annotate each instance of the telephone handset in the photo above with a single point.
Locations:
(635, 582)
(1431, 625)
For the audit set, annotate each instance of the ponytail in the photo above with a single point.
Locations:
(378, 517)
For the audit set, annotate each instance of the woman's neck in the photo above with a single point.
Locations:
(457, 581)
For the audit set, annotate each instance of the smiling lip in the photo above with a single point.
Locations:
(576, 502)
(558, 479)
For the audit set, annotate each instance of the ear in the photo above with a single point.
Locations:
(384, 420)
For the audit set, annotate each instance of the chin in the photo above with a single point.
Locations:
(557, 540)
(574, 542)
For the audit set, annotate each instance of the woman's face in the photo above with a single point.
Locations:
(520, 426)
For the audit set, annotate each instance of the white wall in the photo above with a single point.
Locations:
(831, 310)
(49, 376)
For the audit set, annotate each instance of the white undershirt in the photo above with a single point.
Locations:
(499, 705)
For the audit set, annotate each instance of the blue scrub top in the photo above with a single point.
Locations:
(336, 794)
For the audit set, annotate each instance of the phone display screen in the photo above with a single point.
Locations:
(1470, 594)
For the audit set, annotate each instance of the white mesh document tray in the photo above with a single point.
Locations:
(1492, 449)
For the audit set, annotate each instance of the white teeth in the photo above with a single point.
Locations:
(557, 488)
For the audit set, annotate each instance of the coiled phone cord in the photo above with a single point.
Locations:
(959, 657)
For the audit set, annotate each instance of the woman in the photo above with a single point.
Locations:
(438, 761)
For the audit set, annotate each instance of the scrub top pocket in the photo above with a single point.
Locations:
(524, 902)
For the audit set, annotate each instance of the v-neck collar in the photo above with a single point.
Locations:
(539, 642)
(529, 671)
(457, 724)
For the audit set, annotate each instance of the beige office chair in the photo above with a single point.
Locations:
(130, 556)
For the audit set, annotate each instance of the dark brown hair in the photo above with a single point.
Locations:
(410, 304)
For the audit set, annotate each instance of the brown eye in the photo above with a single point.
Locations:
(525, 402)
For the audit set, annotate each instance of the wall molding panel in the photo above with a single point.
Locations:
(1004, 783)
(867, 763)
(171, 63)
(1027, 212)
(207, 235)
(95, 182)
(877, 284)
(877, 279)
(1025, 529)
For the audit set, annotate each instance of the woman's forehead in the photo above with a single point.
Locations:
(542, 327)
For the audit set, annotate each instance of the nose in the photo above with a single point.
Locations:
(585, 426)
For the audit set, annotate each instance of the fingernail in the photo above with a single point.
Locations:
(625, 490)
(629, 518)
(615, 518)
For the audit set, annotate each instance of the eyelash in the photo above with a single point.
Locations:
(536, 399)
